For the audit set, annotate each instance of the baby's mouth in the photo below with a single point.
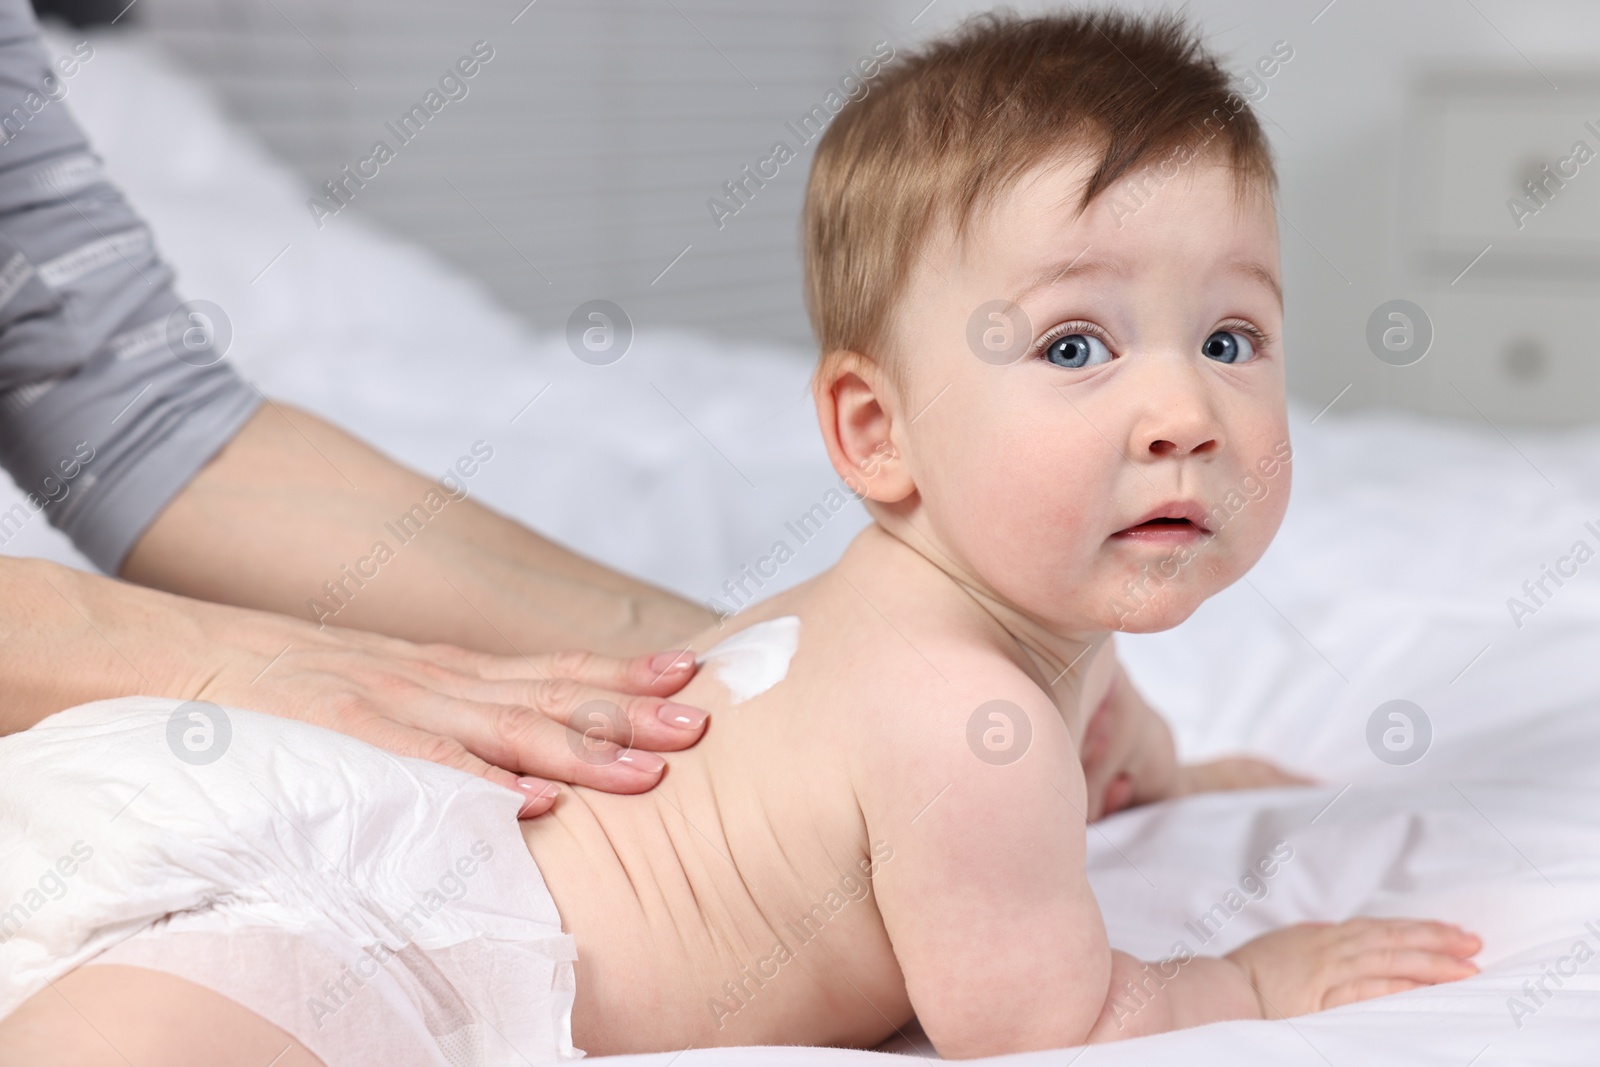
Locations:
(1163, 532)
(1177, 522)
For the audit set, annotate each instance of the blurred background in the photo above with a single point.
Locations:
(1442, 285)
(583, 160)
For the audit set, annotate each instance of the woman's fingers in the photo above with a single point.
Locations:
(655, 674)
(644, 722)
(537, 794)
(521, 722)
(540, 796)
(605, 698)
(578, 748)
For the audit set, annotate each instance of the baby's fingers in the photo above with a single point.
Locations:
(1415, 965)
(1393, 955)
(1366, 989)
(1420, 934)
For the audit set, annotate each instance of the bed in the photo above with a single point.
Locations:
(1391, 581)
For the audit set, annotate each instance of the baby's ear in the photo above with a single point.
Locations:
(858, 409)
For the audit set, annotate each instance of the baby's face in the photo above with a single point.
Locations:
(1151, 374)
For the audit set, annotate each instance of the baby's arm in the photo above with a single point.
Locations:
(1293, 971)
(993, 922)
(1129, 758)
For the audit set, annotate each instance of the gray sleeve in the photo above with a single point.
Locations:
(112, 393)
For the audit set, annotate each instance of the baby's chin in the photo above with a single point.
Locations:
(1071, 614)
(1149, 622)
(1159, 611)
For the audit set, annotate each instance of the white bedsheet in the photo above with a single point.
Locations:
(1390, 579)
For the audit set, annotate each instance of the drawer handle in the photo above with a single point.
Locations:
(1524, 360)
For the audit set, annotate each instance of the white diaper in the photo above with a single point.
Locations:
(379, 909)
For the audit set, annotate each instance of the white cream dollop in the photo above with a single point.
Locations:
(756, 658)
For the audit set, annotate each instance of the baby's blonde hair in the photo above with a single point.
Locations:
(953, 125)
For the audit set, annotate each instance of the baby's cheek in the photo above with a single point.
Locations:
(1022, 500)
(1022, 476)
(1036, 541)
(1252, 528)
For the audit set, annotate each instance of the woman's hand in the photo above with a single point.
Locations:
(525, 722)
(521, 721)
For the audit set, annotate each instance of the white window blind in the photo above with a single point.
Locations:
(580, 161)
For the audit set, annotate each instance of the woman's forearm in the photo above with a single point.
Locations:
(298, 517)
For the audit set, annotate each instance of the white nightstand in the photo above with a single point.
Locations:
(1501, 205)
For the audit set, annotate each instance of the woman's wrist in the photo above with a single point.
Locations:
(75, 637)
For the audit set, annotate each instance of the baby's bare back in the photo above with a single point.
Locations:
(733, 904)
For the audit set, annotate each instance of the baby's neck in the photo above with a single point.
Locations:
(1055, 656)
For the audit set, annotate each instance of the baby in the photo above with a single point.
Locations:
(1041, 262)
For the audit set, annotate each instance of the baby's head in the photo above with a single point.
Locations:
(1041, 263)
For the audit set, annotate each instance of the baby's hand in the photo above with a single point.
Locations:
(1313, 966)
(1237, 772)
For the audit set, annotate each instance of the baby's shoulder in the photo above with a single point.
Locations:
(973, 722)
(897, 658)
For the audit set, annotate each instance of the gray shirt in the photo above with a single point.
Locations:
(112, 393)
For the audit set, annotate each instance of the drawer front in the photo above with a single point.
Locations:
(1520, 358)
(1474, 155)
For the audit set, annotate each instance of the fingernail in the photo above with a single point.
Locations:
(535, 792)
(681, 715)
(678, 660)
(536, 789)
(644, 762)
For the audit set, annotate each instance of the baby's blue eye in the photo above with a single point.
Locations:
(1077, 350)
(1229, 346)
